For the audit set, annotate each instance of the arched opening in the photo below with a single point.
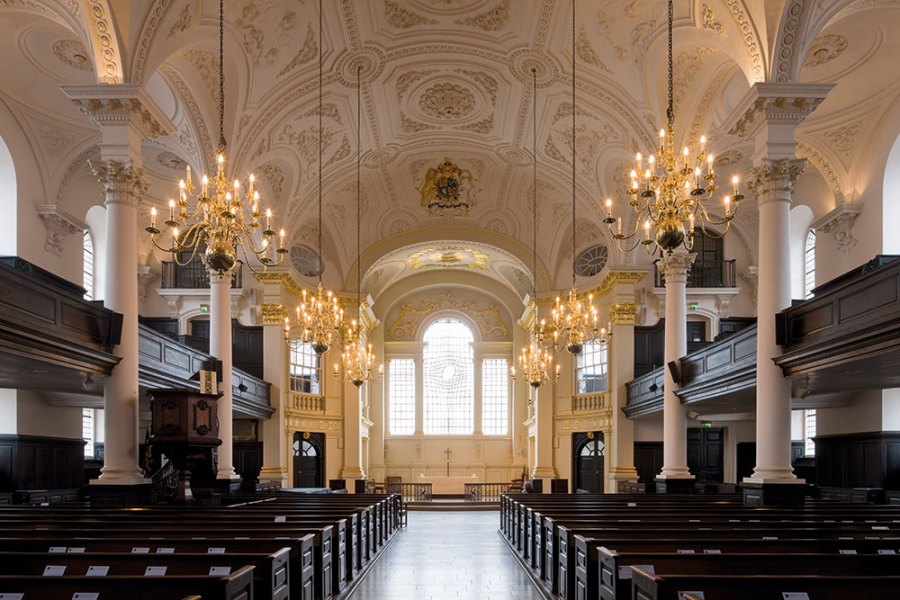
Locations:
(9, 203)
(309, 459)
(589, 453)
(449, 378)
(87, 269)
(809, 264)
(891, 202)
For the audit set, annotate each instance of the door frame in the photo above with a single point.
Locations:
(317, 440)
(579, 440)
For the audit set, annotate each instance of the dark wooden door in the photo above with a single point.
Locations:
(746, 459)
(309, 459)
(648, 460)
(706, 451)
(588, 468)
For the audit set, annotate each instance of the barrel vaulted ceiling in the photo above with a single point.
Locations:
(444, 78)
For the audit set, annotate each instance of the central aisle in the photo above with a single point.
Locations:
(443, 555)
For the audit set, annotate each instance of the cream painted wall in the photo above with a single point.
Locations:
(490, 459)
(8, 202)
(9, 408)
(648, 429)
(861, 414)
(36, 417)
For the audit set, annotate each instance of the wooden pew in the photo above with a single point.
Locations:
(648, 586)
(235, 586)
(271, 575)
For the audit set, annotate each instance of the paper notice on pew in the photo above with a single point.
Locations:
(57, 549)
(683, 595)
(85, 596)
(846, 551)
(165, 550)
(281, 519)
(795, 595)
(886, 551)
(155, 571)
(75, 550)
(140, 550)
(220, 571)
(54, 570)
(632, 505)
(216, 551)
(97, 571)
(12, 596)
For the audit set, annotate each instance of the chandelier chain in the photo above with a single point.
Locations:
(321, 152)
(221, 76)
(573, 143)
(358, 187)
(534, 189)
(670, 110)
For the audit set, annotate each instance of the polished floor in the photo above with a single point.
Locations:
(444, 555)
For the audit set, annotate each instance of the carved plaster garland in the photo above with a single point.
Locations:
(839, 223)
(58, 225)
(410, 316)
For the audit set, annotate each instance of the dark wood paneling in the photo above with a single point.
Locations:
(648, 347)
(860, 460)
(33, 462)
(648, 460)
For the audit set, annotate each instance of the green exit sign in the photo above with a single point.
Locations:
(693, 306)
(204, 308)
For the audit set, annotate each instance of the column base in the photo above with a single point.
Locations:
(758, 494)
(109, 494)
(352, 473)
(619, 475)
(277, 475)
(675, 485)
(113, 476)
(227, 485)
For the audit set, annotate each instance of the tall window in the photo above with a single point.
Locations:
(305, 368)
(402, 396)
(809, 432)
(87, 276)
(495, 396)
(448, 370)
(87, 431)
(809, 264)
(591, 369)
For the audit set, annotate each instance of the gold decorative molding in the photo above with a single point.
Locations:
(284, 279)
(449, 257)
(614, 278)
(488, 319)
(273, 314)
(623, 314)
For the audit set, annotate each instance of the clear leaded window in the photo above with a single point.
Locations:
(809, 424)
(87, 277)
(591, 368)
(87, 431)
(402, 396)
(305, 368)
(448, 372)
(809, 264)
(495, 396)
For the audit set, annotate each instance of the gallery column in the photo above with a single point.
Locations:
(675, 476)
(220, 346)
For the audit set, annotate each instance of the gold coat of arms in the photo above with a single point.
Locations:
(447, 190)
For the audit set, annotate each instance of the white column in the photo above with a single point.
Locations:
(220, 346)
(543, 460)
(620, 371)
(352, 442)
(377, 412)
(772, 184)
(675, 268)
(123, 185)
(275, 371)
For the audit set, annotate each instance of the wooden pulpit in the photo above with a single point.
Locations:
(185, 427)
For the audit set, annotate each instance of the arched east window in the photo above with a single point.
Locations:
(449, 378)
(87, 275)
(809, 264)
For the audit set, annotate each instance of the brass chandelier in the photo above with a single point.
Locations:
(536, 360)
(319, 316)
(358, 358)
(575, 319)
(221, 219)
(671, 193)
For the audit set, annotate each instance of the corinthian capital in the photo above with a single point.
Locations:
(774, 179)
(122, 183)
(675, 267)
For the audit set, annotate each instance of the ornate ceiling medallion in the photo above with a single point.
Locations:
(448, 190)
(449, 257)
(447, 101)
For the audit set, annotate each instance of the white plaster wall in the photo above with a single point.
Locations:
(36, 417)
(861, 414)
(801, 220)
(891, 202)
(890, 409)
(8, 411)
(796, 424)
(648, 429)
(8, 202)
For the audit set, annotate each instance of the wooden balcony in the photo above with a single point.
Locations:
(705, 274)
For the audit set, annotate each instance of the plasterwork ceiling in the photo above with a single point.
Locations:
(406, 321)
(443, 78)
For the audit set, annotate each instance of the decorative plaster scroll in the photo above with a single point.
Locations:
(750, 36)
(494, 19)
(709, 22)
(402, 18)
(122, 183)
(183, 22)
(824, 49)
(623, 314)
(839, 223)
(58, 224)
(273, 314)
(788, 40)
(751, 276)
(488, 318)
(586, 51)
(818, 160)
(105, 42)
(148, 32)
(207, 65)
(843, 139)
(145, 277)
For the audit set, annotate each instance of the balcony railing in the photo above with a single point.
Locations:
(193, 275)
(590, 402)
(705, 274)
(306, 403)
(485, 492)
